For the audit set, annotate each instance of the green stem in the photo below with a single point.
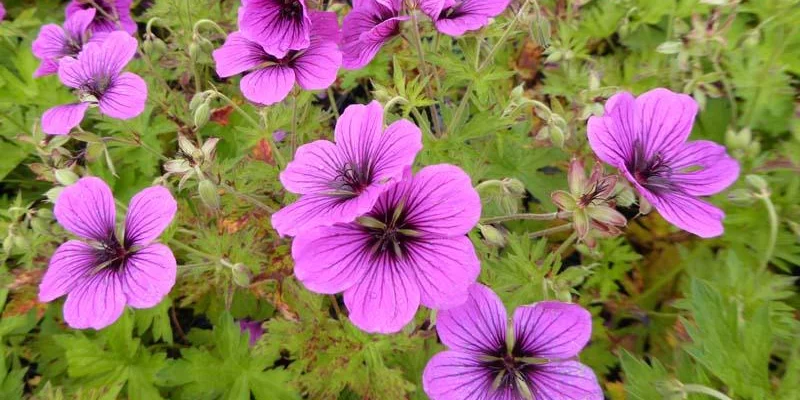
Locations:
(199, 23)
(295, 134)
(424, 68)
(527, 217)
(332, 99)
(454, 124)
(773, 229)
(548, 231)
(564, 245)
(180, 245)
(246, 197)
(693, 388)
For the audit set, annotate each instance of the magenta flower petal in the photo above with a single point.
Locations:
(70, 264)
(313, 210)
(443, 269)
(409, 248)
(78, 23)
(100, 278)
(96, 302)
(119, 9)
(47, 67)
(454, 375)
(125, 98)
(456, 17)
(59, 120)
(50, 42)
(366, 29)
(237, 55)
(316, 67)
(342, 181)
(149, 275)
(645, 138)
(149, 213)
(385, 299)
(325, 26)
(446, 204)
(329, 260)
(87, 209)
(482, 364)
(552, 329)
(269, 85)
(277, 25)
(565, 380)
(478, 326)
(2, 11)
(689, 213)
(253, 329)
(716, 170)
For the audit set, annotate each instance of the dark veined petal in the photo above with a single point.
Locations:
(331, 259)
(149, 213)
(444, 269)
(148, 275)
(72, 262)
(552, 329)
(613, 136)
(568, 380)
(663, 120)
(262, 21)
(478, 326)
(86, 208)
(96, 302)
(125, 97)
(703, 168)
(60, 120)
(454, 375)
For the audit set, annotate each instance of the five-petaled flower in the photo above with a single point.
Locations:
(97, 76)
(456, 17)
(101, 273)
(645, 138)
(279, 26)
(411, 248)
(111, 15)
(531, 358)
(55, 42)
(367, 28)
(339, 182)
(268, 78)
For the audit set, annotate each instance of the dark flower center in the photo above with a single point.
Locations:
(104, 9)
(95, 87)
(291, 10)
(653, 173)
(389, 231)
(510, 370)
(454, 11)
(111, 254)
(352, 179)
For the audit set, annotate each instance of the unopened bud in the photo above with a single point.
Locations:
(514, 186)
(202, 115)
(241, 275)
(492, 235)
(205, 45)
(66, 177)
(208, 194)
(197, 99)
(741, 197)
(757, 183)
(625, 196)
(147, 46)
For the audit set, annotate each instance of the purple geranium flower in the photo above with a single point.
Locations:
(411, 248)
(367, 28)
(112, 15)
(339, 182)
(254, 328)
(645, 138)
(2, 11)
(537, 362)
(456, 17)
(97, 76)
(277, 25)
(269, 79)
(55, 42)
(101, 274)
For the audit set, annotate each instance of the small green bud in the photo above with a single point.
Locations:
(205, 45)
(625, 196)
(53, 193)
(208, 194)
(514, 186)
(45, 213)
(194, 48)
(197, 99)
(757, 183)
(147, 46)
(492, 235)
(40, 225)
(741, 197)
(241, 275)
(557, 136)
(66, 177)
(202, 115)
(159, 46)
(669, 48)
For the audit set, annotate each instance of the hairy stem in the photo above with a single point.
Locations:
(773, 229)
(526, 216)
(548, 231)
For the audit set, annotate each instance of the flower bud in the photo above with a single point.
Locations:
(492, 235)
(66, 177)
(625, 196)
(147, 46)
(514, 186)
(741, 197)
(757, 183)
(202, 115)
(197, 99)
(186, 145)
(159, 46)
(241, 275)
(205, 45)
(208, 194)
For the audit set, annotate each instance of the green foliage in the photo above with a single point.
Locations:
(674, 316)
